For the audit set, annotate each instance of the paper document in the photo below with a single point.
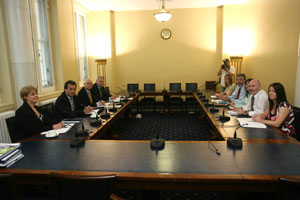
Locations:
(251, 124)
(61, 130)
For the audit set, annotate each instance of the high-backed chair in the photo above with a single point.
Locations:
(7, 187)
(176, 101)
(49, 109)
(13, 130)
(190, 101)
(149, 101)
(288, 189)
(297, 122)
(66, 186)
(132, 88)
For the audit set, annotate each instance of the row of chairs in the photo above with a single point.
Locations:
(174, 101)
(63, 186)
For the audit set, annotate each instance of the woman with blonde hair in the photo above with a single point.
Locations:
(30, 118)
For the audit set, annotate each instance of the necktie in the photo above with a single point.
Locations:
(72, 104)
(252, 103)
(100, 91)
(90, 97)
(238, 94)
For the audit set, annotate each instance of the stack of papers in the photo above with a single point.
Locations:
(61, 130)
(9, 154)
(72, 120)
(219, 101)
(247, 122)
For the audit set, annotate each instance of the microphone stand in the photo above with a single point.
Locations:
(223, 118)
(235, 143)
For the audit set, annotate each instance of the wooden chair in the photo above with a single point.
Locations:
(67, 186)
(288, 189)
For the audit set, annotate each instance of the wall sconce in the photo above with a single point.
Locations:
(101, 71)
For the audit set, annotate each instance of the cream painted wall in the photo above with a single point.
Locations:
(142, 56)
(275, 28)
(98, 26)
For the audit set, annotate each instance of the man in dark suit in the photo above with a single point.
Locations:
(86, 97)
(100, 92)
(68, 104)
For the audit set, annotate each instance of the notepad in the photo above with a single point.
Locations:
(248, 123)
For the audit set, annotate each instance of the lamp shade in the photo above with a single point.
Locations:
(162, 15)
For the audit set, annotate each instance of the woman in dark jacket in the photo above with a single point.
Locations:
(30, 118)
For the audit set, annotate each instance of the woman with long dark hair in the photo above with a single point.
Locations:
(280, 112)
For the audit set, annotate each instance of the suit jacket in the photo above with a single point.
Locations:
(63, 107)
(29, 124)
(84, 98)
(104, 91)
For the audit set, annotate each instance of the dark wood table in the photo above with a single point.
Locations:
(266, 155)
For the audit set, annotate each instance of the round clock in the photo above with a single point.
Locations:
(165, 34)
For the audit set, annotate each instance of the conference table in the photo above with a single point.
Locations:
(267, 154)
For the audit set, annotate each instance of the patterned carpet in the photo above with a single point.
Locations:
(176, 126)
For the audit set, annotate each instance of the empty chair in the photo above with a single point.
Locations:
(66, 186)
(132, 88)
(210, 85)
(190, 102)
(176, 101)
(149, 101)
(288, 189)
(13, 130)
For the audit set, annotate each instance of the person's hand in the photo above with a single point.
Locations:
(58, 125)
(113, 97)
(88, 109)
(101, 102)
(217, 95)
(256, 118)
(232, 104)
(240, 111)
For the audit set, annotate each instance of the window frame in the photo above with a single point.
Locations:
(80, 76)
(37, 65)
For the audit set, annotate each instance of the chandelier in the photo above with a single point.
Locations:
(162, 15)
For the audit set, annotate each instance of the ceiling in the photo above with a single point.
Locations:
(129, 5)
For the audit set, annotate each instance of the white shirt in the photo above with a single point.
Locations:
(260, 102)
(224, 72)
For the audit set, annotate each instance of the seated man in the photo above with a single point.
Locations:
(68, 105)
(86, 97)
(258, 99)
(100, 92)
(239, 92)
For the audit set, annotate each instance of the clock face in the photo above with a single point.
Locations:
(165, 34)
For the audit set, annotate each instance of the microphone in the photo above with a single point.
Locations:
(235, 143)
(164, 90)
(105, 115)
(223, 118)
(113, 109)
(157, 143)
(97, 122)
(213, 109)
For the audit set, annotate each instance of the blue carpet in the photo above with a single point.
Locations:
(177, 126)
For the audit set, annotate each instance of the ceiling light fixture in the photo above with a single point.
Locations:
(162, 15)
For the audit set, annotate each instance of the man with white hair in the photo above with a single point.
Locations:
(258, 100)
(86, 97)
(100, 92)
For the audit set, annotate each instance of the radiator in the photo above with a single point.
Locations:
(48, 101)
(4, 134)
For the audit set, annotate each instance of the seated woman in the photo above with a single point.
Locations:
(280, 112)
(30, 118)
(230, 86)
(237, 103)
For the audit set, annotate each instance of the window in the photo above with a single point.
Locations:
(81, 46)
(41, 44)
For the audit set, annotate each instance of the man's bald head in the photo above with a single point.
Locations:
(254, 87)
(88, 84)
